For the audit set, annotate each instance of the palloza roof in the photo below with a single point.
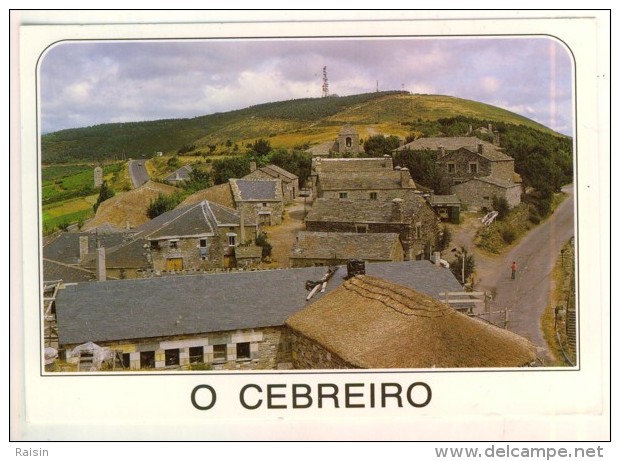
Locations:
(371, 323)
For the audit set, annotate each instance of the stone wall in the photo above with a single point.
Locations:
(462, 159)
(269, 349)
(382, 195)
(308, 355)
(274, 210)
(503, 170)
(479, 194)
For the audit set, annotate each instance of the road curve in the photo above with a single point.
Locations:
(529, 294)
(138, 173)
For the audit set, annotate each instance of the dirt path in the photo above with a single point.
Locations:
(283, 236)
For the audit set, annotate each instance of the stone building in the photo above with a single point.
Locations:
(226, 321)
(259, 197)
(447, 207)
(413, 220)
(336, 248)
(290, 181)
(198, 237)
(347, 143)
(479, 192)
(179, 176)
(371, 323)
(462, 159)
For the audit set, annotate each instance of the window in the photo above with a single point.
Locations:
(172, 357)
(196, 354)
(126, 360)
(243, 351)
(264, 204)
(232, 239)
(147, 359)
(373, 196)
(174, 244)
(219, 353)
(418, 230)
(343, 195)
(361, 228)
(348, 141)
(451, 168)
(473, 168)
(154, 245)
(203, 248)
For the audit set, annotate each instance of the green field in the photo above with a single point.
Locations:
(67, 212)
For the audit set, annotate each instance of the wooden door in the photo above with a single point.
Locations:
(174, 264)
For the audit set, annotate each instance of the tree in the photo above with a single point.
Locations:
(162, 204)
(226, 168)
(105, 192)
(261, 241)
(462, 266)
(297, 162)
(198, 179)
(261, 147)
(500, 204)
(443, 239)
(379, 145)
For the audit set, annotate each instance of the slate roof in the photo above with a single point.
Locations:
(363, 180)
(133, 254)
(344, 245)
(372, 323)
(490, 151)
(65, 248)
(143, 308)
(277, 172)
(492, 180)
(327, 165)
(53, 270)
(256, 190)
(444, 200)
(202, 218)
(361, 211)
(181, 174)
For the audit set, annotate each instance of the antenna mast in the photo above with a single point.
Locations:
(325, 83)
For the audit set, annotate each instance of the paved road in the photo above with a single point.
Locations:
(536, 254)
(138, 172)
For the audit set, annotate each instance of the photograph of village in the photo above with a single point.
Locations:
(214, 206)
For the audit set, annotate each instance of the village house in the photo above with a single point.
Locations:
(202, 236)
(259, 197)
(290, 182)
(469, 159)
(369, 322)
(179, 176)
(233, 320)
(336, 248)
(413, 220)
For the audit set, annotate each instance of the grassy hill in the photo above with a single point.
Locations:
(286, 124)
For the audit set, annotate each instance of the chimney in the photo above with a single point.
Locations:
(101, 276)
(83, 246)
(252, 167)
(435, 257)
(480, 148)
(442, 151)
(405, 178)
(355, 267)
(241, 225)
(397, 210)
(388, 162)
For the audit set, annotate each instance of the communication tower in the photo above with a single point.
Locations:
(325, 84)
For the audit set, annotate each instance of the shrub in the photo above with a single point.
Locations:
(508, 235)
(162, 204)
(261, 241)
(500, 204)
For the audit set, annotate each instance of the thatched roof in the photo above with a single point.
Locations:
(371, 323)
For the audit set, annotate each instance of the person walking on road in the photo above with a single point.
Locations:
(513, 268)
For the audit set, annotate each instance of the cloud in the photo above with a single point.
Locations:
(86, 83)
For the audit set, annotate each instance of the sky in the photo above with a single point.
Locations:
(89, 83)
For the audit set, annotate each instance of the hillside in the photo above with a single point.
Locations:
(286, 124)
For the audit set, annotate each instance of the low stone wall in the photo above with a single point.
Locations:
(308, 355)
